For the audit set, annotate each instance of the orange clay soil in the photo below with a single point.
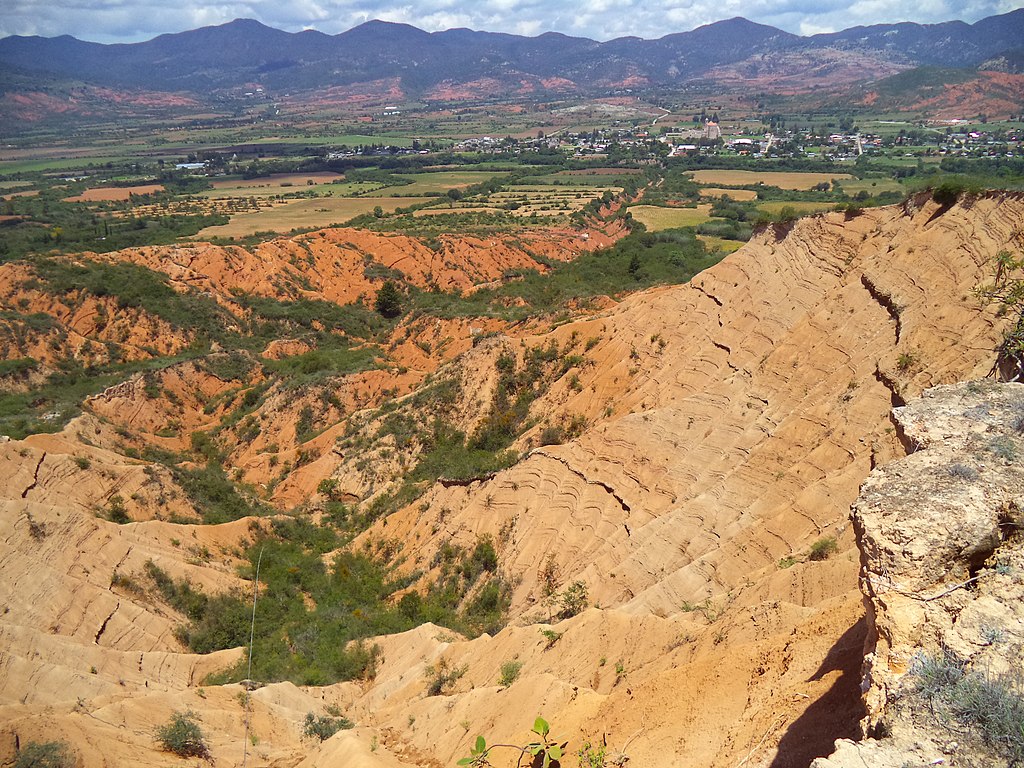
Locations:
(730, 423)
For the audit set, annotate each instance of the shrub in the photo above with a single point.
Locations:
(574, 599)
(551, 637)
(552, 435)
(990, 705)
(116, 511)
(325, 726)
(509, 673)
(442, 676)
(183, 736)
(823, 548)
(48, 754)
(947, 193)
(590, 756)
(906, 361)
(963, 472)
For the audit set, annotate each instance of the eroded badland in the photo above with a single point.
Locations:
(689, 454)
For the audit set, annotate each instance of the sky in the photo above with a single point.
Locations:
(122, 21)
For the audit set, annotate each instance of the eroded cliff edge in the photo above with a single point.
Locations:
(942, 573)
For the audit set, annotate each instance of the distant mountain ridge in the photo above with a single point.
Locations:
(242, 52)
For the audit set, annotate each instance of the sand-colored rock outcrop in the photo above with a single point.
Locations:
(942, 558)
(730, 424)
(343, 265)
(735, 445)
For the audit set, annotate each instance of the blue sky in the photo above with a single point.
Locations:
(110, 21)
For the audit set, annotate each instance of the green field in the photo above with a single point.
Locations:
(306, 213)
(719, 244)
(775, 207)
(438, 182)
(871, 186)
(657, 218)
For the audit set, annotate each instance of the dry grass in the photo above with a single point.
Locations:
(280, 179)
(308, 212)
(720, 243)
(781, 179)
(280, 184)
(24, 193)
(734, 194)
(774, 207)
(105, 194)
(656, 218)
(457, 209)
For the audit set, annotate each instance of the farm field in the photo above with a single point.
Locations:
(279, 180)
(741, 195)
(781, 179)
(438, 182)
(713, 243)
(575, 181)
(419, 213)
(775, 207)
(871, 186)
(547, 200)
(22, 193)
(108, 194)
(305, 213)
(265, 190)
(319, 183)
(656, 217)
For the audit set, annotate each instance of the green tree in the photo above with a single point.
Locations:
(389, 300)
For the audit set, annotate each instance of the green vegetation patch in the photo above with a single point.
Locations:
(311, 618)
(132, 286)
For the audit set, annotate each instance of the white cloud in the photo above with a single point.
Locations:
(133, 20)
(808, 28)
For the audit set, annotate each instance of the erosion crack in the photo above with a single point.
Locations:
(886, 301)
(584, 478)
(103, 626)
(710, 296)
(35, 477)
(892, 385)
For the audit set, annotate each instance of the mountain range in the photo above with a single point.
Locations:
(244, 53)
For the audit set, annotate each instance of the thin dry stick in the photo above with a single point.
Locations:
(757, 746)
(252, 634)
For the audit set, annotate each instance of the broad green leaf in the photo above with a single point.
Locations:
(466, 761)
(540, 726)
(555, 751)
(481, 745)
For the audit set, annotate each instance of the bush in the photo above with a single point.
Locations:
(183, 736)
(990, 705)
(823, 548)
(325, 726)
(509, 673)
(442, 676)
(49, 754)
(947, 193)
(116, 511)
(574, 599)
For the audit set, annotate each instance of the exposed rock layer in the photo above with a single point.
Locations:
(711, 464)
(940, 538)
